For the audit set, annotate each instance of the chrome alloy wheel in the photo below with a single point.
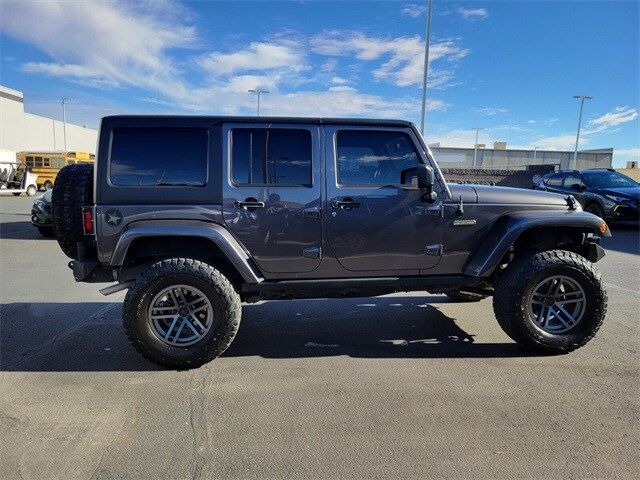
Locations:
(557, 304)
(180, 315)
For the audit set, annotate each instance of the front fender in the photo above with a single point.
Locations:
(187, 228)
(510, 226)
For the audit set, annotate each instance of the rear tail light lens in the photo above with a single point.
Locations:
(87, 220)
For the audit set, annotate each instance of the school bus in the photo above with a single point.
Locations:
(47, 164)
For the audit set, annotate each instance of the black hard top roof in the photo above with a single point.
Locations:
(251, 119)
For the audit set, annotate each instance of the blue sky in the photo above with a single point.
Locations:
(510, 67)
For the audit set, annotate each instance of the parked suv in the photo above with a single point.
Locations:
(603, 192)
(195, 215)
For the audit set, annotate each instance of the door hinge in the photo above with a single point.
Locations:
(435, 249)
(312, 252)
(437, 211)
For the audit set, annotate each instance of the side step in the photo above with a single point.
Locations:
(357, 287)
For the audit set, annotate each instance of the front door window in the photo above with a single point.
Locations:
(377, 223)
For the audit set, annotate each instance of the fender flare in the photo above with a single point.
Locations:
(213, 232)
(506, 229)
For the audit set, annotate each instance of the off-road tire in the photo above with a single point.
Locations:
(461, 296)
(32, 190)
(46, 231)
(218, 289)
(515, 285)
(72, 190)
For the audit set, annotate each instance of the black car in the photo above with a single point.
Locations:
(603, 192)
(41, 217)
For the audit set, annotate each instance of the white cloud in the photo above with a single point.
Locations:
(473, 13)
(566, 141)
(113, 43)
(340, 81)
(122, 44)
(617, 117)
(627, 153)
(413, 10)
(343, 103)
(403, 56)
(258, 56)
(491, 111)
(459, 138)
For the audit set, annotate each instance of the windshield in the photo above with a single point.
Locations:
(608, 179)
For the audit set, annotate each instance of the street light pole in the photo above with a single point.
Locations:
(575, 151)
(64, 121)
(258, 91)
(475, 145)
(426, 68)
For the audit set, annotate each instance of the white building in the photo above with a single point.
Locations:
(22, 131)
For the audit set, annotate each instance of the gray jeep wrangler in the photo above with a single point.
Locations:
(195, 215)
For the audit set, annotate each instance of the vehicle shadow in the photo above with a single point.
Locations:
(381, 327)
(20, 231)
(625, 238)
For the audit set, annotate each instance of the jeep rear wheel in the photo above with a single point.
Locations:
(550, 302)
(73, 190)
(181, 313)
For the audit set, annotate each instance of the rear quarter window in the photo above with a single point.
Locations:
(158, 156)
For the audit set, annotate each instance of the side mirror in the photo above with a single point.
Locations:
(577, 187)
(424, 176)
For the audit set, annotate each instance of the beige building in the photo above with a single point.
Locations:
(20, 131)
(501, 157)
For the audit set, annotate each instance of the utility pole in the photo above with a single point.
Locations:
(426, 67)
(64, 121)
(475, 145)
(575, 151)
(258, 91)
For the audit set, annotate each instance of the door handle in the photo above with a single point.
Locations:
(249, 203)
(345, 204)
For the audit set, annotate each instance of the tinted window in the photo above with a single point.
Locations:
(158, 156)
(608, 179)
(268, 157)
(554, 180)
(572, 179)
(373, 157)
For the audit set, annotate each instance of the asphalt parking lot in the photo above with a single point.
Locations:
(401, 386)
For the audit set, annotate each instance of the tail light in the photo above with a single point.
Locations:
(87, 220)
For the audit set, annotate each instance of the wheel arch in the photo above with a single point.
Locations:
(144, 242)
(531, 230)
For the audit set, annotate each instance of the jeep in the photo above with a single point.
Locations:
(196, 215)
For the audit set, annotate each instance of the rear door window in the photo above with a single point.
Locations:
(158, 156)
(278, 156)
(572, 179)
(554, 180)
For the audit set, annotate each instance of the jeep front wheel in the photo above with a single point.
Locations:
(550, 302)
(181, 313)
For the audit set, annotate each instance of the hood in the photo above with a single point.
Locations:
(505, 195)
(629, 192)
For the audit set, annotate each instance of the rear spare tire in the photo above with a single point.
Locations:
(72, 190)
